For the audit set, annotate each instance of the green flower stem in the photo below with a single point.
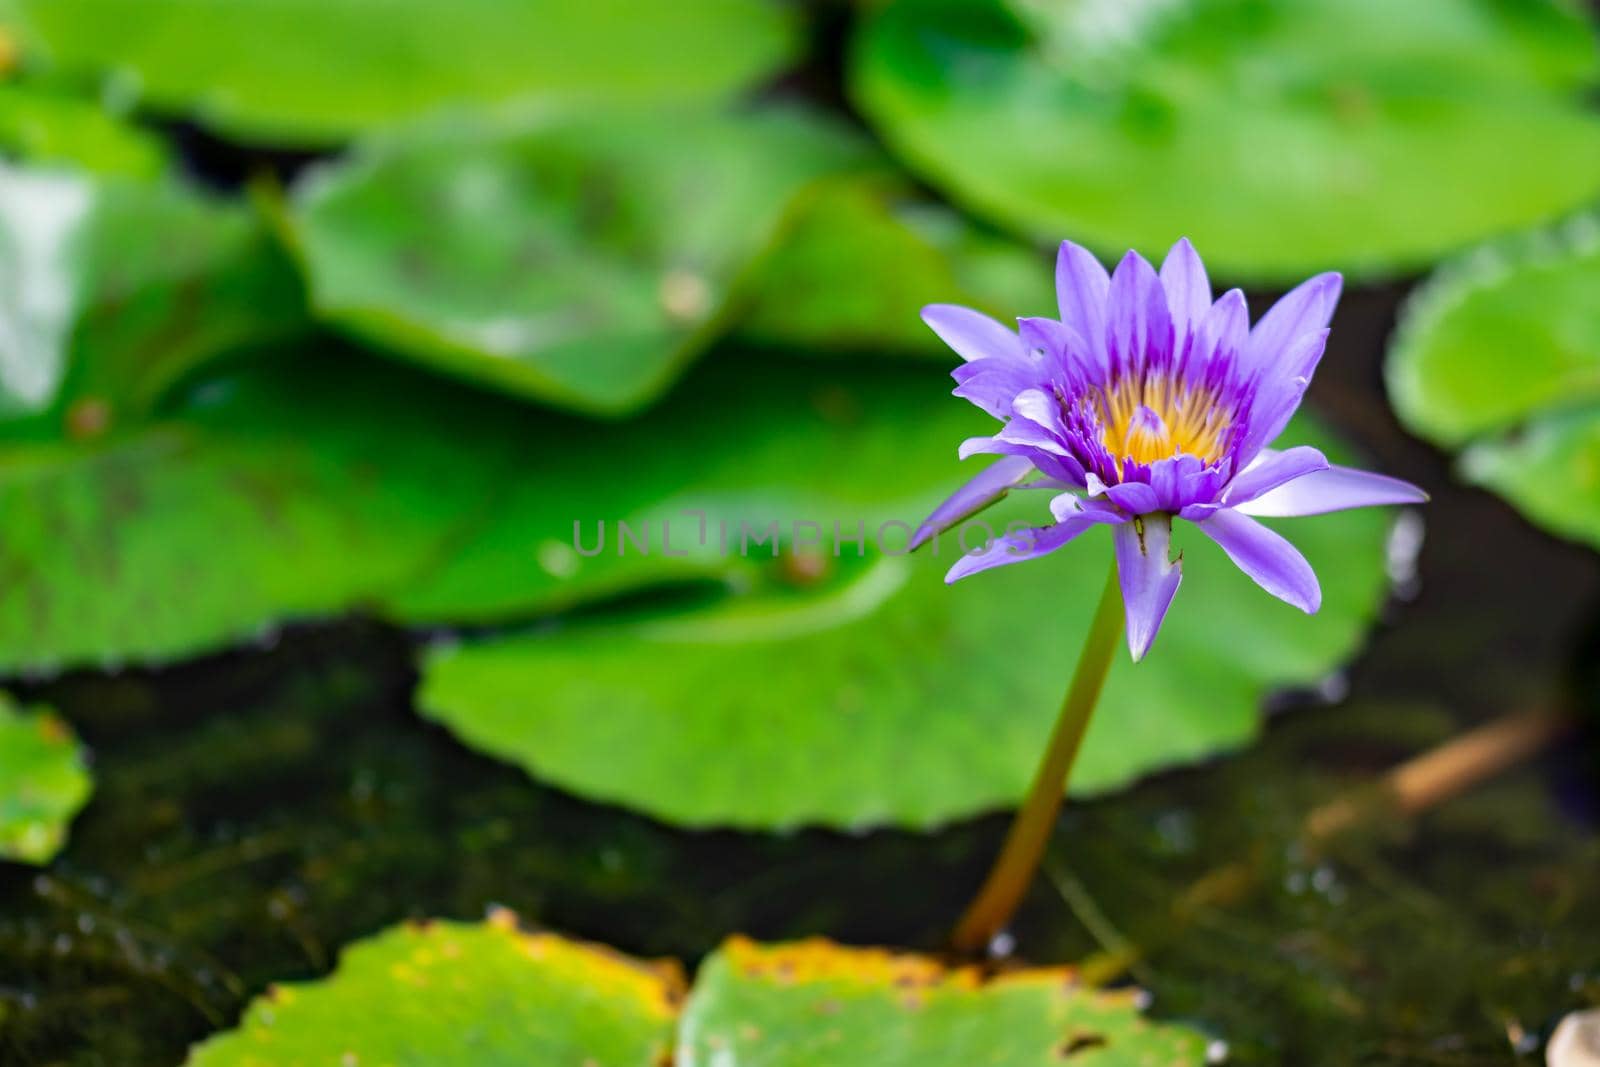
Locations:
(1014, 869)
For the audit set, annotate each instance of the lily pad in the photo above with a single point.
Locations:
(489, 994)
(43, 783)
(815, 1002)
(443, 993)
(811, 294)
(298, 72)
(854, 691)
(1499, 356)
(579, 261)
(321, 482)
(1282, 137)
(113, 289)
(287, 491)
(44, 126)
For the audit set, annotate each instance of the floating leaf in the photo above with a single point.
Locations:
(479, 995)
(316, 485)
(111, 290)
(43, 783)
(862, 258)
(485, 994)
(581, 261)
(1500, 354)
(815, 1002)
(43, 126)
(856, 691)
(294, 72)
(293, 491)
(1282, 137)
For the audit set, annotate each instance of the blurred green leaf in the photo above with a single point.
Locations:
(310, 486)
(113, 289)
(43, 783)
(856, 691)
(1499, 354)
(862, 257)
(580, 261)
(815, 1002)
(478, 995)
(285, 491)
(44, 126)
(744, 440)
(1282, 137)
(316, 71)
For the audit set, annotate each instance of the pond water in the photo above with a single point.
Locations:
(257, 810)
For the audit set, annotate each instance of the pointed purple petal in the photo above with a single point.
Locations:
(1138, 324)
(1278, 396)
(1270, 561)
(1183, 276)
(1335, 489)
(1148, 577)
(1305, 309)
(1026, 544)
(989, 486)
(1270, 470)
(992, 384)
(1224, 330)
(1081, 288)
(972, 334)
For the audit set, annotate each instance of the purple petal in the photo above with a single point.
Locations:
(1335, 489)
(989, 486)
(1278, 396)
(1148, 577)
(1305, 309)
(972, 334)
(1026, 544)
(1081, 288)
(1060, 343)
(1183, 276)
(1138, 324)
(1270, 470)
(992, 384)
(1270, 561)
(1225, 329)
(1136, 498)
(1069, 504)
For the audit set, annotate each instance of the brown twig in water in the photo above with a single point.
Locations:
(1408, 789)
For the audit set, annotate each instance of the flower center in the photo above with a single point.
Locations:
(1153, 417)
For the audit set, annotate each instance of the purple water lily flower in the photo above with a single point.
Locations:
(1147, 401)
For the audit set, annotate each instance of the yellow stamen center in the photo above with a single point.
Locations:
(1154, 417)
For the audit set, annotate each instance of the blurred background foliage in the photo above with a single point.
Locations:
(349, 309)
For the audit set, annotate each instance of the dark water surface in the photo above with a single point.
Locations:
(257, 810)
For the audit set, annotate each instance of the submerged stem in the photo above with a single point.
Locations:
(1019, 857)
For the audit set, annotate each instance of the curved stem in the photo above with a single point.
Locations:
(1019, 857)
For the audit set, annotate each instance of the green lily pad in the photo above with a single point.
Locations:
(787, 440)
(294, 72)
(443, 993)
(315, 485)
(1499, 356)
(43, 126)
(113, 289)
(811, 296)
(296, 489)
(43, 783)
(579, 261)
(857, 691)
(1282, 137)
(489, 994)
(815, 1002)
